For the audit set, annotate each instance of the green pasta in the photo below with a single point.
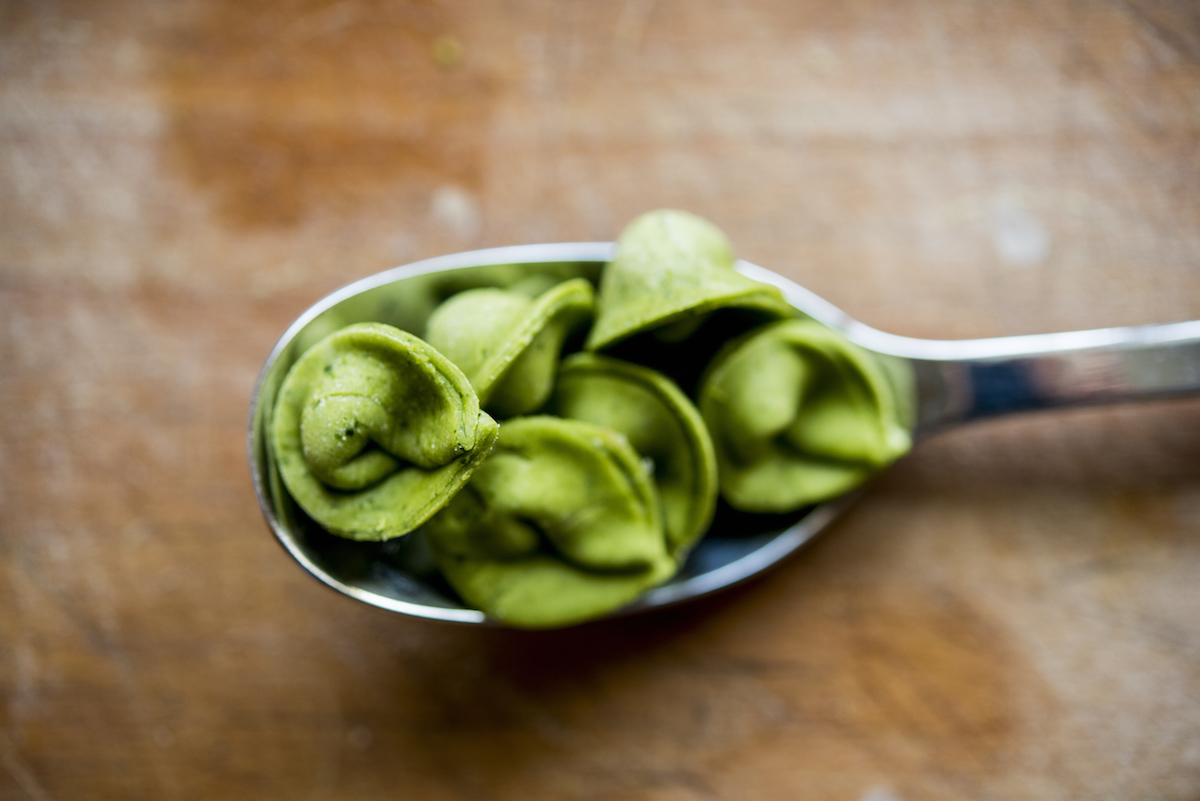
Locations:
(508, 344)
(661, 424)
(374, 431)
(673, 269)
(564, 516)
(798, 415)
(561, 524)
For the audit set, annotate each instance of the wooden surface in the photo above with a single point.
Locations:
(1013, 612)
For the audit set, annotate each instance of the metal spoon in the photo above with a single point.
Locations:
(955, 382)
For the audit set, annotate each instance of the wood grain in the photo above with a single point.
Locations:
(1013, 611)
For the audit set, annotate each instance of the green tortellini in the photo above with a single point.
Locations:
(661, 424)
(672, 269)
(561, 524)
(507, 343)
(373, 431)
(798, 415)
(550, 520)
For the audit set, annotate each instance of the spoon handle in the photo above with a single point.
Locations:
(972, 379)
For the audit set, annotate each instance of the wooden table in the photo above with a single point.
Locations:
(1013, 612)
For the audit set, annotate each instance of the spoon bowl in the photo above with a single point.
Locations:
(948, 382)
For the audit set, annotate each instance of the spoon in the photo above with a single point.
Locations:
(954, 382)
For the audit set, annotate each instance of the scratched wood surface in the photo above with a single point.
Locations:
(1013, 612)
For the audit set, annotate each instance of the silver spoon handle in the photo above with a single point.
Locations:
(972, 379)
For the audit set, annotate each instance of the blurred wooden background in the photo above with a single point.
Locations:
(1012, 613)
